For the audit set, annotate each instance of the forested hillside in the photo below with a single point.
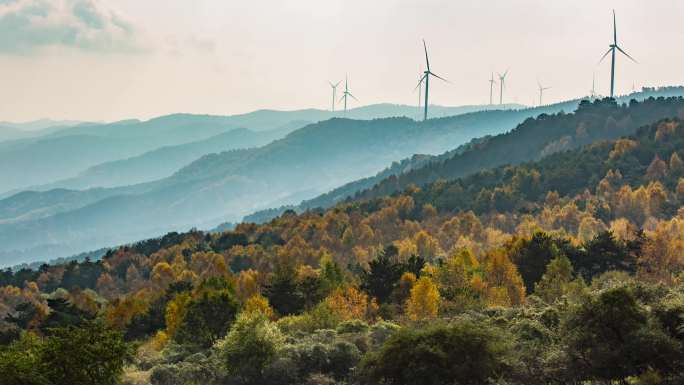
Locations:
(531, 139)
(348, 190)
(535, 138)
(562, 270)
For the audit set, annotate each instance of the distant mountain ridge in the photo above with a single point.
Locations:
(16, 131)
(63, 152)
(164, 161)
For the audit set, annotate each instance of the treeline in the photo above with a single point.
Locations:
(539, 137)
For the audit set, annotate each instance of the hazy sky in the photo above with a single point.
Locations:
(115, 59)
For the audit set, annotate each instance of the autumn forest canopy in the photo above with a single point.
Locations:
(551, 254)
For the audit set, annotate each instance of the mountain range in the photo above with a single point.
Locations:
(227, 185)
(61, 155)
(306, 163)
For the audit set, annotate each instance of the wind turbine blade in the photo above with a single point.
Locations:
(427, 60)
(420, 82)
(353, 97)
(614, 29)
(439, 77)
(626, 54)
(342, 98)
(506, 73)
(338, 83)
(605, 54)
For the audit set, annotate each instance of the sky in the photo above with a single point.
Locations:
(106, 60)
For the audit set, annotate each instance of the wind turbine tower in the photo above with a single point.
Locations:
(419, 87)
(346, 94)
(491, 88)
(426, 78)
(614, 47)
(502, 80)
(334, 92)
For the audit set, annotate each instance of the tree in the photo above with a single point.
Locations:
(427, 247)
(382, 276)
(657, 169)
(604, 253)
(20, 362)
(611, 336)
(62, 314)
(257, 303)
(153, 319)
(350, 303)
(162, 275)
(251, 345)
(283, 293)
(676, 164)
(86, 355)
(532, 255)
(424, 300)
(247, 284)
(554, 283)
(504, 285)
(463, 353)
(331, 275)
(207, 318)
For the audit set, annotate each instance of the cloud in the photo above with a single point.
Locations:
(27, 26)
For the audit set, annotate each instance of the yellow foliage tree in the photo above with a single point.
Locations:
(247, 285)
(424, 300)
(351, 303)
(406, 248)
(258, 304)
(501, 276)
(663, 253)
(456, 273)
(676, 164)
(426, 246)
(657, 169)
(162, 275)
(406, 283)
(120, 311)
(175, 312)
(621, 147)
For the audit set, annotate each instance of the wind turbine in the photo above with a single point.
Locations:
(334, 91)
(426, 78)
(491, 88)
(502, 80)
(541, 91)
(346, 94)
(593, 86)
(611, 51)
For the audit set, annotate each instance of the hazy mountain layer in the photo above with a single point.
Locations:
(228, 185)
(164, 161)
(60, 153)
